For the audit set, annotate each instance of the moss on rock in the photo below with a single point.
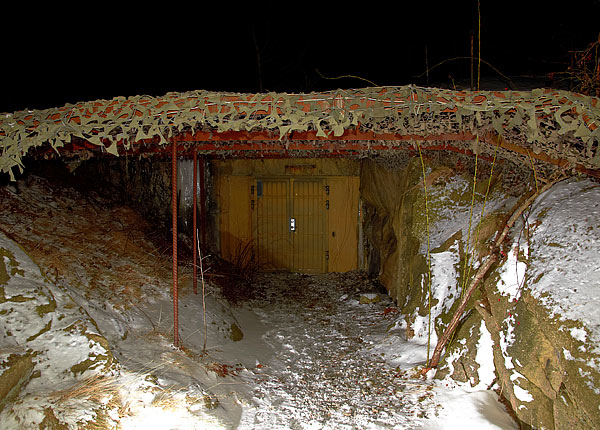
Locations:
(13, 266)
(16, 371)
(236, 333)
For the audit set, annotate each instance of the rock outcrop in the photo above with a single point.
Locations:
(524, 317)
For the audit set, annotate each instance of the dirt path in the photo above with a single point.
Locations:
(323, 374)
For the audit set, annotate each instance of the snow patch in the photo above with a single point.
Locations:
(579, 334)
(522, 394)
(485, 358)
(512, 276)
(507, 338)
(444, 292)
(454, 215)
(464, 409)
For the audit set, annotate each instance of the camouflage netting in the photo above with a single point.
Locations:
(556, 124)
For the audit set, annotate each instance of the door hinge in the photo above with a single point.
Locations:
(251, 204)
(326, 255)
(327, 189)
(327, 204)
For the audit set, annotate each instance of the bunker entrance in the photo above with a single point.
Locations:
(289, 215)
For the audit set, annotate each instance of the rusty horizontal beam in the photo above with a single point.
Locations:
(268, 144)
(497, 140)
(354, 134)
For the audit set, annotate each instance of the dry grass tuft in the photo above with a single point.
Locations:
(235, 278)
(100, 389)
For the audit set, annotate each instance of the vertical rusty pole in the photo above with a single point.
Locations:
(174, 211)
(194, 223)
(202, 203)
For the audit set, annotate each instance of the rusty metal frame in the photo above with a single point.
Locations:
(174, 226)
(194, 225)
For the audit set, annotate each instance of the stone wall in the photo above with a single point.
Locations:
(391, 253)
(144, 184)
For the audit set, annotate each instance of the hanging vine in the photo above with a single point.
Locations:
(429, 297)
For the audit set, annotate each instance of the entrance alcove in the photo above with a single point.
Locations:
(294, 214)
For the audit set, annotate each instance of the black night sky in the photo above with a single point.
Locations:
(56, 55)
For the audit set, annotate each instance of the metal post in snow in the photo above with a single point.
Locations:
(194, 223)
(174, 218)
(203, 204)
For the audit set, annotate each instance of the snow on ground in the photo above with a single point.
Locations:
(328, 371)
(97, 259)
(312, 355)
(323, 374)
(41, 325)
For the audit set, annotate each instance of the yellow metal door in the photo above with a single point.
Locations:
(308, 236)
(342, 223)
(273, 240)
(290, 223)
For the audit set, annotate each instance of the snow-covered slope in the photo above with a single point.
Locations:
(296, 355)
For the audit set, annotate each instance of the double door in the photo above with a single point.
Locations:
(289, 217)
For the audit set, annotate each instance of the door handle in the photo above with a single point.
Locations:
(292, 224)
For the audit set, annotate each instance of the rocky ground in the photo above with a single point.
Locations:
(324, 373)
